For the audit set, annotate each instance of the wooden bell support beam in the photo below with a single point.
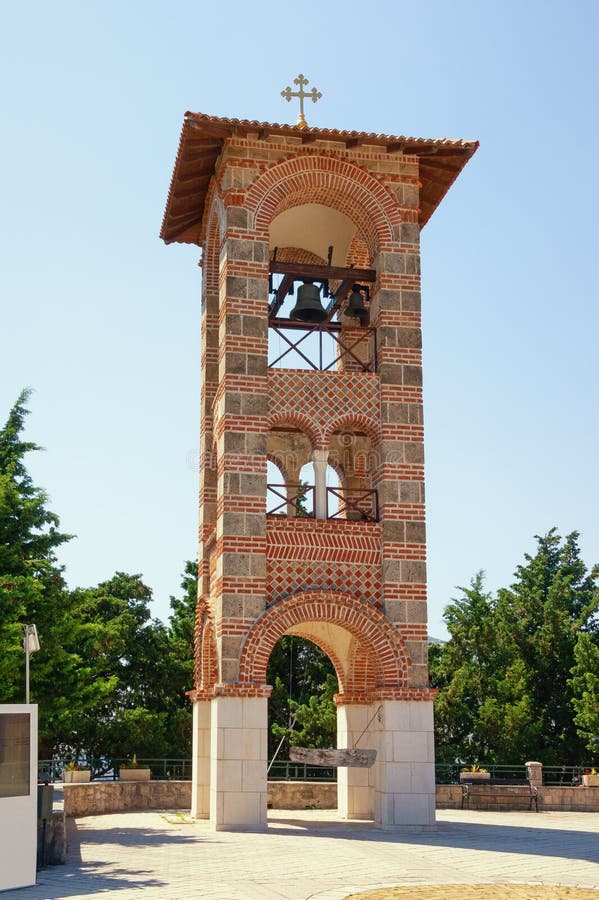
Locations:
(358, 759)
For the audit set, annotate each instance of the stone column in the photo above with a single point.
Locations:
(405, 766)
(320, 460)
(238, 758)
(355, 787)
(200, 760)
(534, 773)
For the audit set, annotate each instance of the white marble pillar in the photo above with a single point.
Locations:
(320, 460)
(238, 759)
(200, 760)
(355, 787)
(405, 766)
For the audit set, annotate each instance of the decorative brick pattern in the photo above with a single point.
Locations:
(321, 403)
(305, 554)
(327, 180)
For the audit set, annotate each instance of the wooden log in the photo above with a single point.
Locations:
(361, 759)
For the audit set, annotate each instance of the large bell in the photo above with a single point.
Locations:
(308, 307)
(355, 305)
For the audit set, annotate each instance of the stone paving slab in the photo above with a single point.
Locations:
(479, 892)
(312, 855)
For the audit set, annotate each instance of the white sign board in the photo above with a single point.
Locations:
(18, 795)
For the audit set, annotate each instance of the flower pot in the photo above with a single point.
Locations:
(480, 776)
(134, 774)
(76, 776)
(590, 780)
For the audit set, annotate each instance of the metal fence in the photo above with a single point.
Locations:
(177, 769)
(109, 769)
(566, 776)
(449, 773)
(283, 770)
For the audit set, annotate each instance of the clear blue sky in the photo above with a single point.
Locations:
(102, 319)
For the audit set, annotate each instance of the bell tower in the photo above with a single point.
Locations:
(312, 518)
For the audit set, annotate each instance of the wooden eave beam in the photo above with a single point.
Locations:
(210, 129)
(322, 272)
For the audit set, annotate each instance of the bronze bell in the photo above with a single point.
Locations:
(355, 305)
(308, 307)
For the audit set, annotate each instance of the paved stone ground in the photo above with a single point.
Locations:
(313, 854)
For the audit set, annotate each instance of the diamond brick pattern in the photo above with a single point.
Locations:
(324, 402)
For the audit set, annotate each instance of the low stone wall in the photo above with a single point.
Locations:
(302, 795)
(555, 799)
(99, 797)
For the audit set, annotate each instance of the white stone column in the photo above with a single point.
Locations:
(355, 787)
(405, 766)
(320, 460)
(200, 760)
(238, 758)
(534, 773)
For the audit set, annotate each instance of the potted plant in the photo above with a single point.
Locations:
(475, 771)
(74, 773)
(590, 778)
(132, 771)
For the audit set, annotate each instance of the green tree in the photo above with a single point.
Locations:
(122, 672)
(301, 707)
(32, 588)
(504, 676)
(585, 689)
(551, 603)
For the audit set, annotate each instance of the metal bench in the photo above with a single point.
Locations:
(491, 787)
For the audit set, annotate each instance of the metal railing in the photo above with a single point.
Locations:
(106, 769)
(326, 337)
(449, 773)
(565, 776)
(346, 504)
(292, 504)
(180, 769)
(283, 770)
(353, 504)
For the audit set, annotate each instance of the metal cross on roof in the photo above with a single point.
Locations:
(288, 94)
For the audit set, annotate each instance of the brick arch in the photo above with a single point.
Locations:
(210, 262)
(352, 423)
(389, 664)
(330, 652)
(206, 669)
(271, 457)
(329, 181)
(302, 423)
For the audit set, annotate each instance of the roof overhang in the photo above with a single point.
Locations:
(203, 138)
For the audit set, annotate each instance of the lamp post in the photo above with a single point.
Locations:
(31, 644)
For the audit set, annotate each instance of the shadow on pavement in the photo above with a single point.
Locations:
(533, 839)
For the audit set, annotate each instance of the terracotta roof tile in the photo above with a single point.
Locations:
(203, 136)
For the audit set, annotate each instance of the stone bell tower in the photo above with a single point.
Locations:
(311, 363)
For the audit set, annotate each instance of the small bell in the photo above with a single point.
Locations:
(355, 305)
(308, 307)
